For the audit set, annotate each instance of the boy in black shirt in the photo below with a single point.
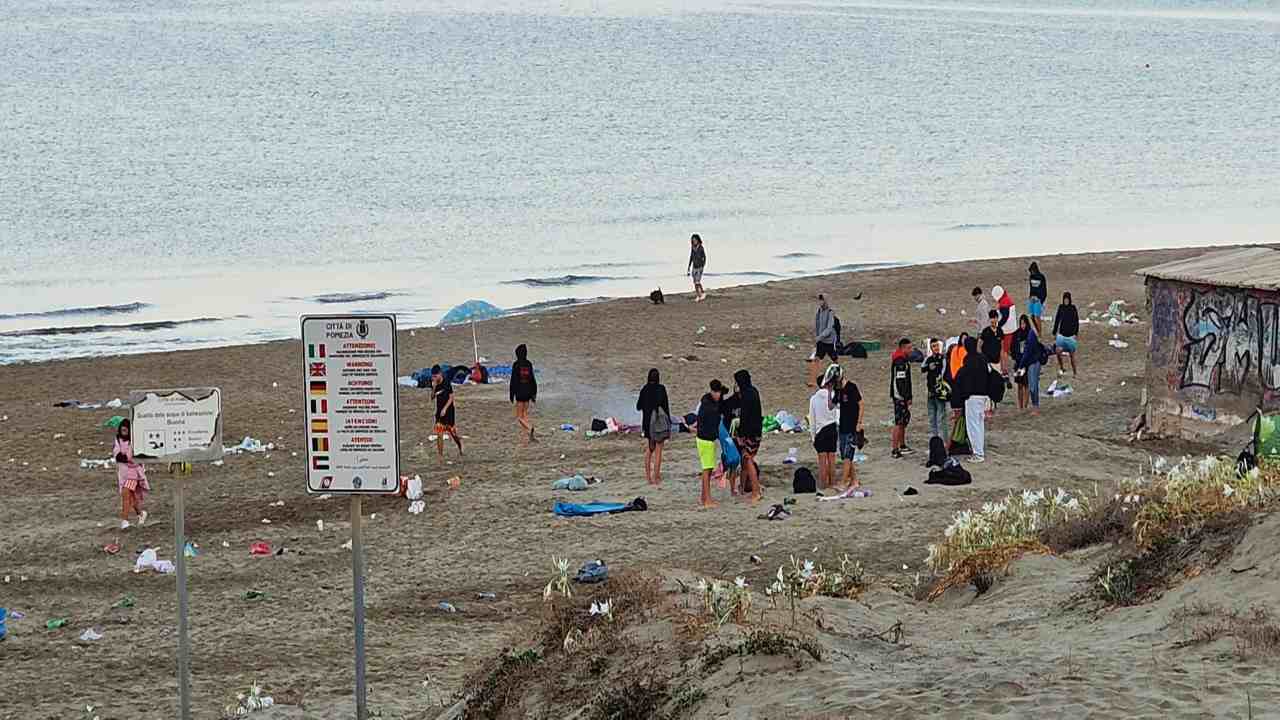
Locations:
(991, 339)
(849, 399)
(442, 390)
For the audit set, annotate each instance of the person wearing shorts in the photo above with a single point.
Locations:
(709, 415)
(826, 427)
(900, 393)
(1038, 288)
(446, 424)
(849, 400)
(750, 430)
(1066, 327)
(697, 263)
(825, 338)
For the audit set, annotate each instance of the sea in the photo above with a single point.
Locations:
(202, 173)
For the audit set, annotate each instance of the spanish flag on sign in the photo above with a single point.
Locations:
(320, 425)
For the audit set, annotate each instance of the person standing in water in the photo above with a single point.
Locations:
(131, 478)
(697, 263)
(1039, 295)
(524, 391)
(709, 417)
(446, 423)
(656, 425)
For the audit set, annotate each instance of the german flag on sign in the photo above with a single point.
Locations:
(320, 444)
(320, 426)
(320, 462)
(318, 369)
(319, 387)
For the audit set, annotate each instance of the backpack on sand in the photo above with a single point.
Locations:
(804, 482)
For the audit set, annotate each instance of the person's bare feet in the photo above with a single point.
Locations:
(708, 505)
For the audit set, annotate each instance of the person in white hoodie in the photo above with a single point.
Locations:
(824, 425)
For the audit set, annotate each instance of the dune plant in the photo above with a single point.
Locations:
(804, 579)
(559, 582)
(1013, 522)
(725, 601)
(252, 700)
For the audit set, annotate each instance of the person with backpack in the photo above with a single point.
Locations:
(750, 431)
(656, 425)
(826, 338)
(1027, 365)
(972, 388)
(709, 418)
(524, 391)
(934, 370)
(697, 263)
(1066, 327)
(1038, 294)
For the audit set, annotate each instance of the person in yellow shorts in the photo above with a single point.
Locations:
(708, 434)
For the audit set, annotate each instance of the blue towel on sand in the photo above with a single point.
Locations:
(564, 509)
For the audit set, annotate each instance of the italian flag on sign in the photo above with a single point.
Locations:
(315, 351)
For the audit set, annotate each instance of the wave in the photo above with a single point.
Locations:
(351, 297)
(95, 310)
(745, 273)
(552, 304)
(856, 267)
(565, 280)
(129, 327)
(590, 266)
(797, 255)
(962, 227)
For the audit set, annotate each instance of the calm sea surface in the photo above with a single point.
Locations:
(201, 173)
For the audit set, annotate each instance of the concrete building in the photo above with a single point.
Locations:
(1214, 354)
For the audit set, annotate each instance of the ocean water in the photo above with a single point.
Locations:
(202, 173)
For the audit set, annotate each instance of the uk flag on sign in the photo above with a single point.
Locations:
(318, 369)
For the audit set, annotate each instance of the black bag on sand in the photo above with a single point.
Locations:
(598, 425)
(950, 474)
(804, 482)
(995, 387)
(937, 452)
(960, 438)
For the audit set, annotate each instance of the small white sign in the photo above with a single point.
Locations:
(182, 425)
(352, 403)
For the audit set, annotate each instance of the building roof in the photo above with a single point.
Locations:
(1250, 267)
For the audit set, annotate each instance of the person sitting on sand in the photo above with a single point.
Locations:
(524, 391)
(442, 390)
(750, 431)
(709, 417)
(1038, 294)
(656, 425)
(847, 398)
(697, 263)
(826, 338)
(1066, 327)
(131, 477)
(824, 425)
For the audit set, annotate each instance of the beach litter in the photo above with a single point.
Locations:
(792, 457)
(254, 595)
(920, 306)
(190, 549)
(575, 483)
(777, 512)
(259, 549)
(702, 329)
(149, 560)
(124, 603)
(1058, 389)
(111, 548)
(1117, 316)
(115, 403)
(447, 607)
(248, 445)
(55, 623)
(90, 635)
(593, 571)
(1117, 343)
(567, 427)
(486, 596)
(417, 507)
(346, 545)
(454, 482)
(942, 311)
(735, 326)
(757, 560)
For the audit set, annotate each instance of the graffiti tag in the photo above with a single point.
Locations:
(1229, 336)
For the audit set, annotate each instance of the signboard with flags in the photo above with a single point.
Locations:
(352, 404)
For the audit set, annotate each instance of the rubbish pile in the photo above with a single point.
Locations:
(248, 445)
(783, 421)
(148, 560)
(1115, 316)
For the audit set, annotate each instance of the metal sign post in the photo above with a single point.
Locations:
(184, 639)
(357, 578)
(352, 427)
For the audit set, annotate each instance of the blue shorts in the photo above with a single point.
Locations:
(1066, 344)
(1035, 307)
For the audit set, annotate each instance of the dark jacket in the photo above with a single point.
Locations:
(652, 396)
(698, 257)
(751, 419)
(973, 376)
(1066, 322)
(1039, 286)
(709, 418)
(900, 374)
(990, 340)
(1030, 353)
(524, 384)
(933, 370)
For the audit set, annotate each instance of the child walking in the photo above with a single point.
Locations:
(524, 391)
(131, 478)
(446, 418)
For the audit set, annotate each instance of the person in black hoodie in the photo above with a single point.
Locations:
(934, 369)
(1039, 294)
(653, 398)
(972, 384)
(1066, 326)
(524, 390)
(709, 415)
(900, 393)
(750, 430)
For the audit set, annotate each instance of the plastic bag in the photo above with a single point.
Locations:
(414, 491)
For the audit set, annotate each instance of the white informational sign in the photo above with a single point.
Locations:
(352, 403)
(182, 425)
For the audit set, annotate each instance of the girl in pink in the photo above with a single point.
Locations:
(131, 478)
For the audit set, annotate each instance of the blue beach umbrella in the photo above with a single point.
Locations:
(471, 311)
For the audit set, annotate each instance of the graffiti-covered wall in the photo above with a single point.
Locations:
(1214, 356)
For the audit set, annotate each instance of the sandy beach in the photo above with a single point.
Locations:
(1019, 649)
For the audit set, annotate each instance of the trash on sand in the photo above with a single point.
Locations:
(568, 428)
(116, 403)
(594, 571)
(111, 548)
(124, 603)
(90, 635)
(259, 548)
(254, 595)
(55, 623)
(190, 549)
(270, 474)
(702, 329)
(146, 560)
(226, 544)
(278, 503)
(667, 356)
(249, 445)
(59, 436)
(320, 525)
(735, 326)
(791, 458)
(777, 512)
(266, 521)
(417, 507)
(1118, 344)
(942, 311)
(919, 306)
(576, 483)
(346, 545)
(454, 482)
(447, 607)
(16, 615)
(88, 464)
(1058, 389)
(486, 596)
(757, 560)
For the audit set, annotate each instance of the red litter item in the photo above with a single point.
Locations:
(404, 486)
(111, 548)
(259, 548)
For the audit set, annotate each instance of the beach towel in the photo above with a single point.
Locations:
(848, 494)
(564, 509)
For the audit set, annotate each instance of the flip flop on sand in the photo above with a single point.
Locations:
(777, 512)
